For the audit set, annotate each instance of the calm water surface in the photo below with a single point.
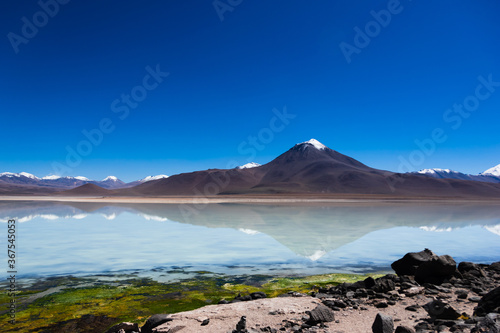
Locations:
(157, 240)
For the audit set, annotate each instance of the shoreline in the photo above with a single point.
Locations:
(260, 199)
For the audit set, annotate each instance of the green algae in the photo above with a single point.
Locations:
(136, 299)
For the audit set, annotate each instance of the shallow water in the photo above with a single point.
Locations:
(165, 240)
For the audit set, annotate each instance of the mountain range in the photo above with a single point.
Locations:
(307, 168)
(491, 175)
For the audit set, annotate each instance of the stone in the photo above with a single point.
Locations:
(411, 261)
(125, 326)
(384, 284)
(155, 321)
(461, 293)
(489, 303)
(490, 323)
(404, 329)
(241, 326)
(413, 308)
(383, 324)
(258, 295)
(320, 314)
(436, 270)
(440, 310)
(414, 291)
(205, 322)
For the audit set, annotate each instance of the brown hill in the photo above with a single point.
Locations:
(87, 190)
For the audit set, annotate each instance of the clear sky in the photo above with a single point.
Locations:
(163, 87)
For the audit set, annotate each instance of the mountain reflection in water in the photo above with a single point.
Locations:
(70, 238)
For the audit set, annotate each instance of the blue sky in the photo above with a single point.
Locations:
(246, 81)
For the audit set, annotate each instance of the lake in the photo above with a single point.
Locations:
(165, 241)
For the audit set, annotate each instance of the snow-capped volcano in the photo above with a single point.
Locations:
(495, 171)
(313, 142)
(110, 178)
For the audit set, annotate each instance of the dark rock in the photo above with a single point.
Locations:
(223, 301)
(436, 270)
(125, 326)
(381, 305)
(383, 324)
(490, 323)
(466, 266)
(205, 322)
(321, 314)
(404, 329)
(475, 299)
(411, 261)
(384, 284)
(489, 303)
(495, 266)
(413, 308)
(258, 295)
(154, 321)
(369, 282)
(461, 293)
(441, 310)
(241, 326)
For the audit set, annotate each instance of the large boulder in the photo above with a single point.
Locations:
(489, 303)
(409, 263)
(426, 266)
(436, 270)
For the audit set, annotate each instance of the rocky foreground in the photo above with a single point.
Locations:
(430, 293)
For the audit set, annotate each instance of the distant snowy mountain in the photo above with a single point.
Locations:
(495, 171)
(249, 165)
(27, 179)
(487, 176)
(150, 178)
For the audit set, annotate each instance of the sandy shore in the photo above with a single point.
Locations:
(272, 312)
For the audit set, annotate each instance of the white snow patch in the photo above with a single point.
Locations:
(436, 229)
(150, 178)
(316, 255)
(495, 171)
(316, 144)
(52, 177)
(109, 216)
(434, 170)
(494, 229)
(81, 178)
(112, 178)
(22, 174)
(153, 217)
(249, 165)
(250, 232)
(49, 216)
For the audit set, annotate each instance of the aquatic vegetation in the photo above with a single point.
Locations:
(135, 300)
